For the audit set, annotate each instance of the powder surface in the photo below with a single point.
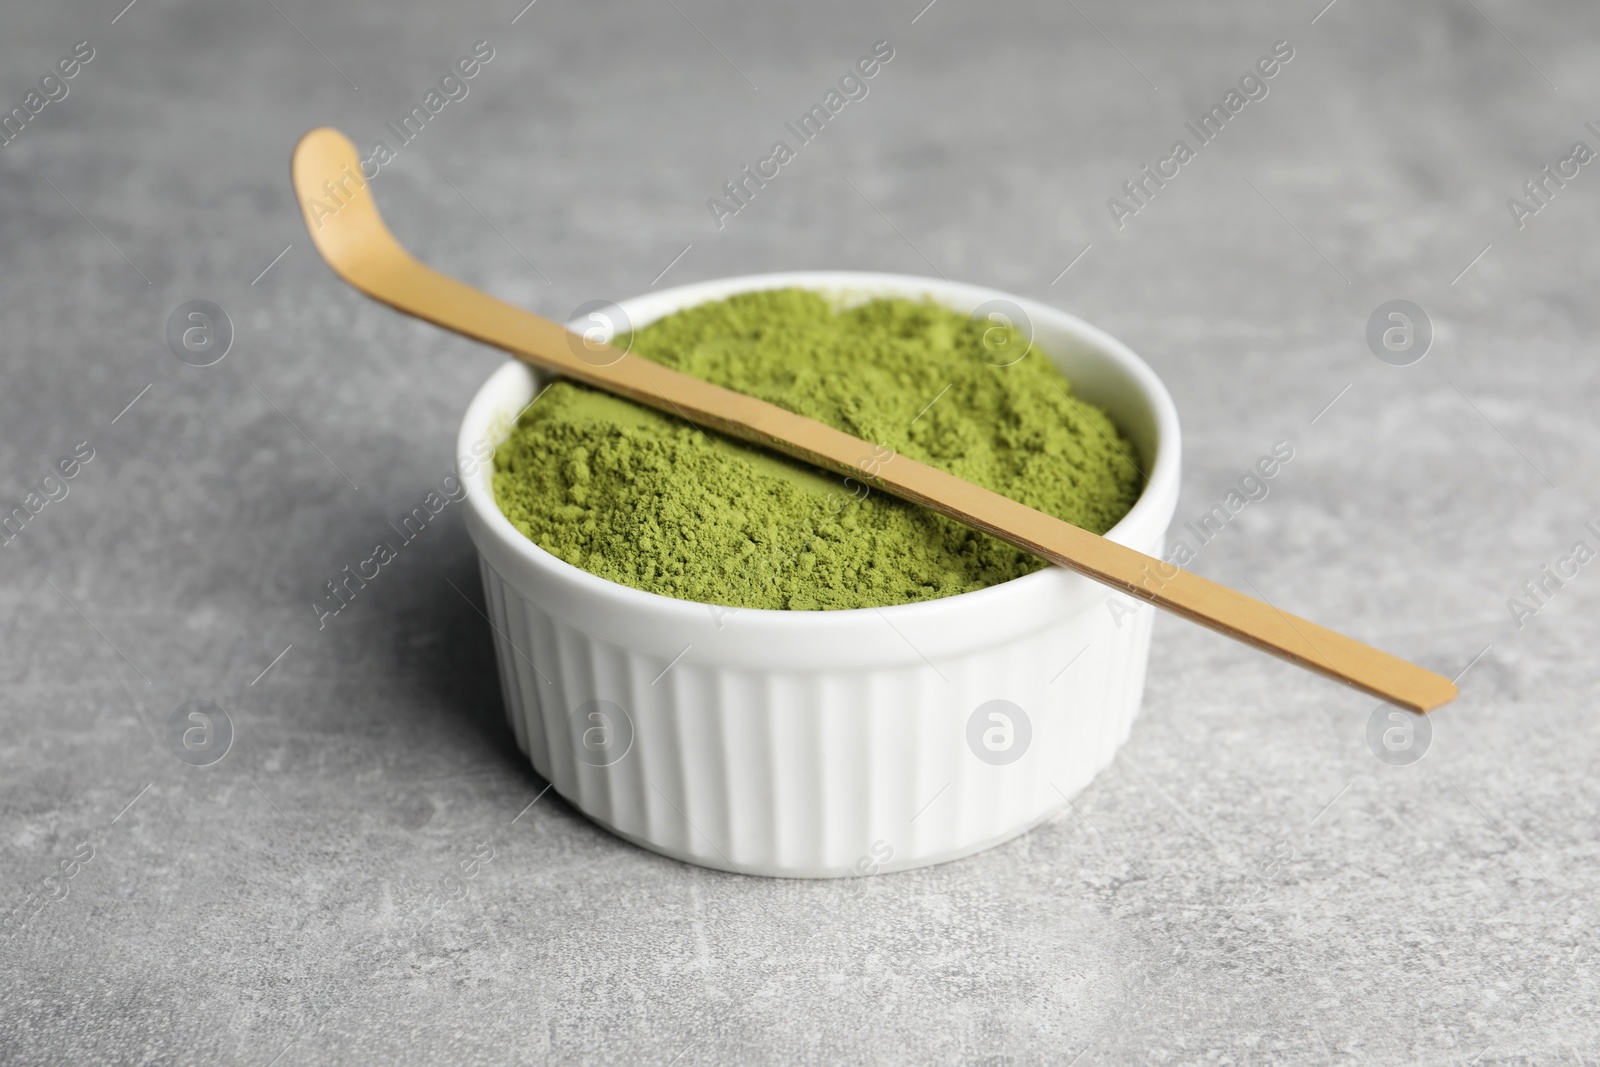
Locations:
(651, 501)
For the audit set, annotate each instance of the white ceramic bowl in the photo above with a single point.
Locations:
(823, 743)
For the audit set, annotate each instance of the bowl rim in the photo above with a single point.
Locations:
(1161, 483)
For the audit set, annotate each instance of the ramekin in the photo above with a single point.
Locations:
(824, 743)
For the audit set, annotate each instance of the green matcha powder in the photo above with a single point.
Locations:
(653, 502)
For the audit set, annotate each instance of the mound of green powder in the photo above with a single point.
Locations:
(654, 502)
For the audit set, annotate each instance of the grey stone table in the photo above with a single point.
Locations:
(1248, 882)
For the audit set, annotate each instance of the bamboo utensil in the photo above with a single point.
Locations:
(348, 232)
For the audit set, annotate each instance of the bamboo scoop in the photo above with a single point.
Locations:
(349, 233)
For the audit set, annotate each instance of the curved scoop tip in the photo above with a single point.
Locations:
(338, 210)
(320, 146)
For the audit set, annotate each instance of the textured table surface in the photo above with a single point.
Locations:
(1248, 881)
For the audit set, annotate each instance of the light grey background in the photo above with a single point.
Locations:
(1247, 883)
